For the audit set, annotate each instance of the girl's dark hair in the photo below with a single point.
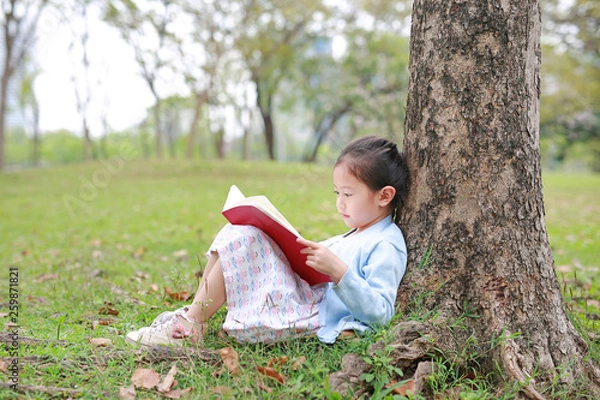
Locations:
(377, 162)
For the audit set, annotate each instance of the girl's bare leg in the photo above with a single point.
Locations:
(211, 291)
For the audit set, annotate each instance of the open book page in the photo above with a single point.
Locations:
(259, 212)
(237, 198)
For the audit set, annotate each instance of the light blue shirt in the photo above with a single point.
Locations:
(365, 296)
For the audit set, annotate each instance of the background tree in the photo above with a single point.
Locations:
(203, 59)
(81, 69)
(574, 24)
(28, 102)
(570, 114)
(269, 35)
(367, 82)
(19, 22)
(475, 213)
(146, 31)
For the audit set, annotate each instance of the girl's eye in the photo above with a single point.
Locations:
(345, 194)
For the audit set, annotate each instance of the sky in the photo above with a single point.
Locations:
(118, 90)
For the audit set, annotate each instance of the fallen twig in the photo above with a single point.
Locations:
(8, 338)
(50, 390)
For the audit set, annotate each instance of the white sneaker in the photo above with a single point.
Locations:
(174, 331)
(167, 315)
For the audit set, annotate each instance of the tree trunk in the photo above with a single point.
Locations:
(200, 100)
(7, 73)
(220, 143)
(475, 209)
(325, 125)
(269, 133)
(35, 153)
(265, 112)
(158, 127)
(246, 144)
(3, 100)
(87, 142)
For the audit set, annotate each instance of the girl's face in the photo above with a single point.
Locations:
(359, 206)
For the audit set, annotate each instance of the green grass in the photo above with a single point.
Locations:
(85, 235)
(573, 224)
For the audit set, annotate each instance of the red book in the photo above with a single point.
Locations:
(259, 212)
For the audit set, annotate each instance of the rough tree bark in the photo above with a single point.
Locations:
(475, 210)
(476, 203)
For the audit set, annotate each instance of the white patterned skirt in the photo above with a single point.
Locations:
(266, 300)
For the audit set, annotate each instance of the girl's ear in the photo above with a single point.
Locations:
(386, 195)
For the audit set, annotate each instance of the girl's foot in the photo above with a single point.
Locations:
(173, 331)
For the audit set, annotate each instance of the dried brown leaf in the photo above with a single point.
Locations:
(100, 342)
(108, 309)
(39, 300)
(178, 296)
(408, 386)
(593, 303)
(168, 381)
(222, 390)
(181, 255)
(46, 277)
(142, 274)
(127, 393)
(298, 363)
(564, 268)
(271, 373)
(231, 360)
(145, 378)
(2, 366)
(278, 361)
(139, 252)
(265, 387)
(177, 393)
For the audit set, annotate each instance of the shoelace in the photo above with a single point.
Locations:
(167, 315)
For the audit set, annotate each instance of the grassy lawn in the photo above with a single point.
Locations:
(90, 241)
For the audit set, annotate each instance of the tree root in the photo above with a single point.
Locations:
(509, 358)
(348, 379)
(409, 351)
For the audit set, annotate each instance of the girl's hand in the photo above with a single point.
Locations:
(323, 260)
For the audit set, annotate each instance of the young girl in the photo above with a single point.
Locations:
(266, 301)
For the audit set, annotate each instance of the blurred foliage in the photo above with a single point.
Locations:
(570, 92)
(296, 80)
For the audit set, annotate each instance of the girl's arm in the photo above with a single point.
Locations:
(370, 294)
